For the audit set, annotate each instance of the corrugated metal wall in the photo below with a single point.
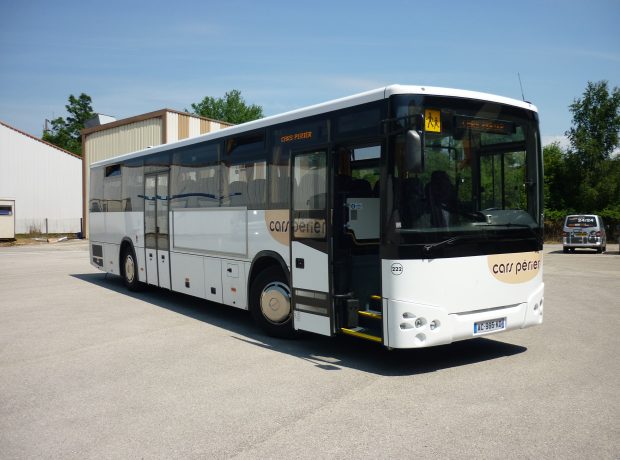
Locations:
(108, 143)
(209, 126)
(112, 142)
(45, 182)
(180, 126)
(183, 122)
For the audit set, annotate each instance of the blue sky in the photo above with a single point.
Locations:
(136, 57)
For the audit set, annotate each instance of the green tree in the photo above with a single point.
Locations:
(231, 108)
(554, 184)
(65, 133)
(596, 124)
(591, 171)
(586, 176)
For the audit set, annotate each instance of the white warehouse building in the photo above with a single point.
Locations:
(40, 184)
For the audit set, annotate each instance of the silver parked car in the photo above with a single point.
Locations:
(584, 231)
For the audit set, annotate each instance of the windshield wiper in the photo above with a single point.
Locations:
(450, 241)
(455, 239)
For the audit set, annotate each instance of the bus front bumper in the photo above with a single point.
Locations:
(414, 325)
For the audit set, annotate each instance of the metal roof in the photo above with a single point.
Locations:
(39, 140)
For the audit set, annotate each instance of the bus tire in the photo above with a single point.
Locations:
(129, 270)
(270, 303)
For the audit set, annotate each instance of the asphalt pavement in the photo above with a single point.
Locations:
(90, 370)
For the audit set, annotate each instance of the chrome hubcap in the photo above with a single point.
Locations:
(275, 302)
(129, 269)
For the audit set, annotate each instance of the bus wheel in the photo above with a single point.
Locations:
(129, 270)
(270, 303)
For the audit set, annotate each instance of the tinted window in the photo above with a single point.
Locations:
(96, 189)
(195, 181)
(301, 135)
(112, 190)
(132, 179)
(244, 184)
(114, 170)
(581, 221)
(279, 179)
(309, 195)
(241, 149)
(362, 121)
(244, 172)
(294, 135)
(156, 162)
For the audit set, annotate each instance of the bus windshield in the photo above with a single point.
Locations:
(480, 173)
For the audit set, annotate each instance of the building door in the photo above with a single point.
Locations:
(156, 229)
(7, 219)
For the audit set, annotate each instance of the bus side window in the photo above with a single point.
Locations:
(240, 167)
(208, 184)
(132, 187)
(257, 185)
(112, 188)
(234, 185)
(96, 189)
(279, 179)
(195, 178)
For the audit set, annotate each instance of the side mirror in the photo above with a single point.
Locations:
(413, 152)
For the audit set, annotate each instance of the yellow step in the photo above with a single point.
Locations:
(370, 314)
(359, 333)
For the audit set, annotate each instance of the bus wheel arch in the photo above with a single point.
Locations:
(270, 297)
(128, 266)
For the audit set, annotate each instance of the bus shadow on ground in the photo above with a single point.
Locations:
(328, 353)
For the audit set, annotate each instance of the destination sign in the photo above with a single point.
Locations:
(296, 137)
(484, 125)
(306, 133)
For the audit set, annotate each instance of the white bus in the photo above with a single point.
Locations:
(409, 216)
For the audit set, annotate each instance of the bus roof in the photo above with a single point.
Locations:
(342, 103)
(438, 91)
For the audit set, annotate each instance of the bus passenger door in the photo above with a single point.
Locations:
(312, 306)
(156, 240)
(356, 230)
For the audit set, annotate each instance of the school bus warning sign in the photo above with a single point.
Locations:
(432, 121)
